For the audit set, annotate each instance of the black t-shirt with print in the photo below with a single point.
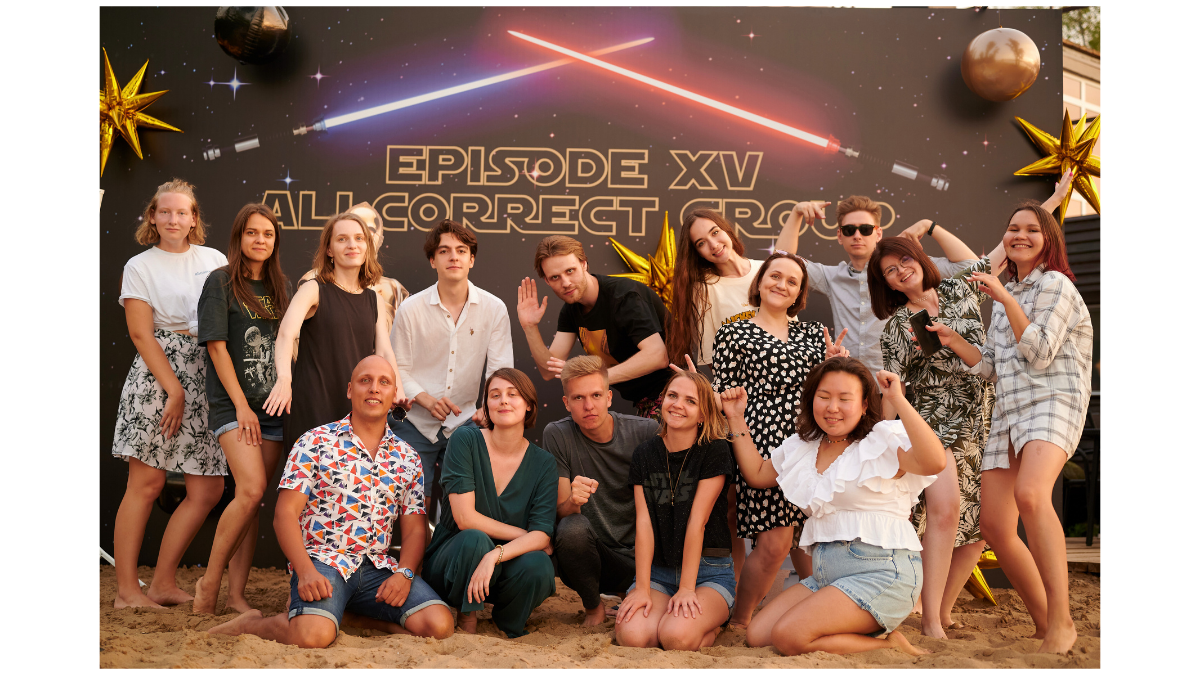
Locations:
(657, 471)
(626, 312)
(249, 339)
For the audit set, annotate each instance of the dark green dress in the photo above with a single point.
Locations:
(518, 584)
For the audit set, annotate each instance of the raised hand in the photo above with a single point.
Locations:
(582, 489)
(990, 284)
(1063, 185)
(890, 386)
(917, 230)
(733, 402)
(832, 348)
(691, 367)
(529, 313)
(810, 211)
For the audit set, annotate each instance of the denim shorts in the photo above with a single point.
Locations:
(715, 573)
(272, 427)
(430, 453)
(883, 581)
(358, 595)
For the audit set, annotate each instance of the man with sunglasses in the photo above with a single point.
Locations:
(845, 284)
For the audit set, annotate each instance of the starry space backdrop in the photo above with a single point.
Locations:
(525, 157)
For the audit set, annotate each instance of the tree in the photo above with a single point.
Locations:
(1081, 25)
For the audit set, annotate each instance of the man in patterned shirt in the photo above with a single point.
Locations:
(344, 486)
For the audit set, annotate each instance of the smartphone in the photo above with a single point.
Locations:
(929, 342)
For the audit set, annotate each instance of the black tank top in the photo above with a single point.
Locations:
(332, 342)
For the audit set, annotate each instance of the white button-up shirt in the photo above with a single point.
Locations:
(437, 356)
(850, 299)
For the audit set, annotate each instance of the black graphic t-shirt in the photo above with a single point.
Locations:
(657, 471)
(249, 339)
(626, 312)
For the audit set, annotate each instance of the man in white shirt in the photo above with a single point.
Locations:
(447, 338)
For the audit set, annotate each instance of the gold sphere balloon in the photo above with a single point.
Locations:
(1001, 64)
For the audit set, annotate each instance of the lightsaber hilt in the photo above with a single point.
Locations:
(212, 152)
(301, 130)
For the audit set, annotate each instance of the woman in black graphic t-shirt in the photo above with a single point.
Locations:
(684, 585)
(239, 312)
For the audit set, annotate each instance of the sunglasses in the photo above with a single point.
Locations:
(864, 230)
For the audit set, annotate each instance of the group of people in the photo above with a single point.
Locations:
(809, 446)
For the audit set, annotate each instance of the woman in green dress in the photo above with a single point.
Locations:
(956, 404)
(492, 543)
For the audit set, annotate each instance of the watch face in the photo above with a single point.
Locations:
(408, 574)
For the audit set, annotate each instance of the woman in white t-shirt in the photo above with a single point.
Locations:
(856, 478)
(162, 418)
(712, 288)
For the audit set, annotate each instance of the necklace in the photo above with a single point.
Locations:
(829, 441)
(335, 283)
(675, 483)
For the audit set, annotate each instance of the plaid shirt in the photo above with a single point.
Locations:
(1043, 381)
(353, 500)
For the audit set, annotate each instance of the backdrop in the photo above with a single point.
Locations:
(570, 149)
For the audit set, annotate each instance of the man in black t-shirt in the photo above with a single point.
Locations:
(620, 320)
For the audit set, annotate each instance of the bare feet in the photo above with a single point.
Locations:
(594, 616)
(139, 600)
(710, 638)
(168, 596)
(1058, 641)
(931, 627)
(468, 622)
(236, 626)
(239, 604)
(611, 612)
(206, 599)
(901, 643)
(917, 608)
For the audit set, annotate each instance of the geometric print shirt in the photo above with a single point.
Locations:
(1044, 380)
(353, 500)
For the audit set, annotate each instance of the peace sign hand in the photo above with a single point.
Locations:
(833, 349)
(691, 367)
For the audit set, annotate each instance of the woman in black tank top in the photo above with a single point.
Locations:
(339, 321)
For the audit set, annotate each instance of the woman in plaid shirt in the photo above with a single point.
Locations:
(1039, 353)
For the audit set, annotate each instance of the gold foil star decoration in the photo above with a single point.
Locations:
(1071, 150)
(656, 271)
(121, 111)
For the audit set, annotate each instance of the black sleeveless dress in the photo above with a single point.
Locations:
(332, 341)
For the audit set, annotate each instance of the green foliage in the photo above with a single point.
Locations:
(1080, 530)
(1082, 26)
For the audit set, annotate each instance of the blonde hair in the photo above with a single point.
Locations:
(147, 233)
(582, 366)
(859, 203)
(368, 274)
(712, 423)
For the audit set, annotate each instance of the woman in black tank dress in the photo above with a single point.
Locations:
(339, 321)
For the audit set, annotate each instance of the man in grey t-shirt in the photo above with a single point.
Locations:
(593, 542)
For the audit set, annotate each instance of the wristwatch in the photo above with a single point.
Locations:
(408, 574)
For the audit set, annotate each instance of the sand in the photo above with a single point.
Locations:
(993, 637)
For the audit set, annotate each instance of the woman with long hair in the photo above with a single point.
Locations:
(240, 308)
(903, 280)
(492, 543)
(1039, 353)
(770, 355)
(711, 288)
(162, 418)
(856, 472)
(340, 321)
(684, 583)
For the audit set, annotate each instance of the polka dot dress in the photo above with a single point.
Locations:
(773, 373)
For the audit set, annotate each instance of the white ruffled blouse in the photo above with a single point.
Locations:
(856, 497)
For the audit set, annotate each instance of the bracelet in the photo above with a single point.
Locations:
(501, 547)
(733, 435)
(930, 232)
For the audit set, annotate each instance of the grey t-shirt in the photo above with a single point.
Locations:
(610, 510)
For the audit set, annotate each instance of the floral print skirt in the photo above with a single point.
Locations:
(192, 449)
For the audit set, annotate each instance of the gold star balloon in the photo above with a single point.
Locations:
(657, 270)
(1071, 150)
(121, 111)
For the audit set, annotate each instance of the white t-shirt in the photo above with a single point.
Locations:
(170, 283)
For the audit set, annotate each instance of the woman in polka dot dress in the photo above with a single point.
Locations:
(770, 356)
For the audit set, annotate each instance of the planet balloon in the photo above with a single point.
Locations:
(253, 35)
(1001, 64)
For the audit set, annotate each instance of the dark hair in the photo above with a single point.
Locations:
(689, 302)
(434, 238)
(806, 424)
(524, 388)
(238, 268)
(756, 299)
(1054, 249)
(885, 300)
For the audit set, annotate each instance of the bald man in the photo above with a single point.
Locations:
(344, 485)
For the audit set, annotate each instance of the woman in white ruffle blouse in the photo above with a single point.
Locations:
(856, 478)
